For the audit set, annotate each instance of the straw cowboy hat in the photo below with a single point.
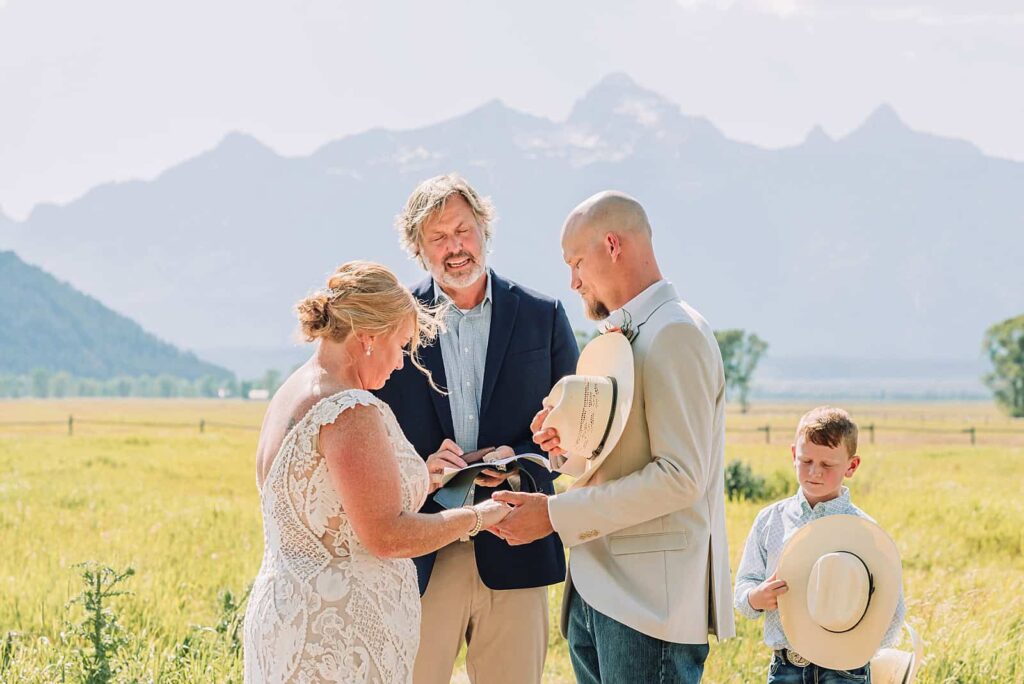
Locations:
(844, 577)
(892, 666)
(589, 409)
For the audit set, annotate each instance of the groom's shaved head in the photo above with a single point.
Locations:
(609, 211)
(607, 244)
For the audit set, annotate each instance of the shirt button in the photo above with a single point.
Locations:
(468, 383)
(466, 349)
(471, 417)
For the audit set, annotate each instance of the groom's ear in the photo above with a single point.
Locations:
(613, 246)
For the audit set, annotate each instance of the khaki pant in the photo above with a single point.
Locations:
(506, 631)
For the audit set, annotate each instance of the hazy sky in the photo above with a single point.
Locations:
(115, 89)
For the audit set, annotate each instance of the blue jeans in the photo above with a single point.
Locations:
(604, 650)
(782, 672)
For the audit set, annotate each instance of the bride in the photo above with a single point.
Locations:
(336, 597)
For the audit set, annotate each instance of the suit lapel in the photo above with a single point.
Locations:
(505, 305)
(434, 362)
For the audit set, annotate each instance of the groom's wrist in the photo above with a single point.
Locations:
(551, 511)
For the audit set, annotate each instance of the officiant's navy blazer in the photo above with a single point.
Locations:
(531, 346)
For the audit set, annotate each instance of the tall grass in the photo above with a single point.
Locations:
(181, 509)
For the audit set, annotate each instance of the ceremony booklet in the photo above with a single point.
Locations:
(457, 483)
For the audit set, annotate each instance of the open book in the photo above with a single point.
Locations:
(457, 483)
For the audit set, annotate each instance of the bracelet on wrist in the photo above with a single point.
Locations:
(479, 524)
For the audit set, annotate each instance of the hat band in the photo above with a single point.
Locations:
(608, 427)
(871, 590)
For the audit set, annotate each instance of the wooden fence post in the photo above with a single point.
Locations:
(871, 432)
(973, 432)
(71, 425)
(202, 425)
(767, 430)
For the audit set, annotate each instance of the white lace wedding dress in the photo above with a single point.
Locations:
(323, 609)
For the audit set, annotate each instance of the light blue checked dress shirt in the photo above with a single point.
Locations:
(773, 526)
(464, 351)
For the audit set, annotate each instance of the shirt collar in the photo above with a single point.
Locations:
(639, 308)
(441, 296)
(837, 505)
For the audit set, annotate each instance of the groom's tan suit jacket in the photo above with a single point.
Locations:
(647, 526)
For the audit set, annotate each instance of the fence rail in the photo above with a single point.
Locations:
(972, 432)
(71, 423)
(873, 431)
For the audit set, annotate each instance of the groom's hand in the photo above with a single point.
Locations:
(528, 521)
(545, 439)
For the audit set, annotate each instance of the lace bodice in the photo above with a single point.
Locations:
(323, 609)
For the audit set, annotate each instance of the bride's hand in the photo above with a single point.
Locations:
(493, 512)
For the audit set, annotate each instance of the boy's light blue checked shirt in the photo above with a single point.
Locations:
(773, 526)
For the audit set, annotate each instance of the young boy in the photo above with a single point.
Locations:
(825, 452)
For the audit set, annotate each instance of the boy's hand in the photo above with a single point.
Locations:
(766, 595)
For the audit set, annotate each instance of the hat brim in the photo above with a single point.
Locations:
(607, 355)
(831, 534)
(890, 666)
(893, 666)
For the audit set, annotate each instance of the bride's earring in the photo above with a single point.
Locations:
(369, 350)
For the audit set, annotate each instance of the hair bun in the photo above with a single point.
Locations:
(314, 315)
(364, 297)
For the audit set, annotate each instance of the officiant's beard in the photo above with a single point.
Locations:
(464, 277)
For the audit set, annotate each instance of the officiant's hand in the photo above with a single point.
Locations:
(448, 455)
(528, 521)
(489, 477)
(545, 439)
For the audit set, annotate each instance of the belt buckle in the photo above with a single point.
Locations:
(796, 659)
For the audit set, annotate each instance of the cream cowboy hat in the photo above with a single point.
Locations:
(892, 666)
(844, 577)
(589, 409)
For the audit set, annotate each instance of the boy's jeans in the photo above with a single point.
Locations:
(782, 672)
(604, 650)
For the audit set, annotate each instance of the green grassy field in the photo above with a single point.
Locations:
(181, 508)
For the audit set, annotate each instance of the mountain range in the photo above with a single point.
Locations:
(885, 243)
(47, 324)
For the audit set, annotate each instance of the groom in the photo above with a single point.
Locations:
(504, 347)
(648, 573)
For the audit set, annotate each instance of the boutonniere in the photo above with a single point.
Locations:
(626, 328)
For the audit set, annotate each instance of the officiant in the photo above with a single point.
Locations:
(504, 348)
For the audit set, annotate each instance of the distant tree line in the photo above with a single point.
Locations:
(741, 352)
(44, 384)
(1003, 344)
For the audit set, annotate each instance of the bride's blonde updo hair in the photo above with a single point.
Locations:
(365, 297)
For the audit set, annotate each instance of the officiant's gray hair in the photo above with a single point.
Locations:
(429, 198)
